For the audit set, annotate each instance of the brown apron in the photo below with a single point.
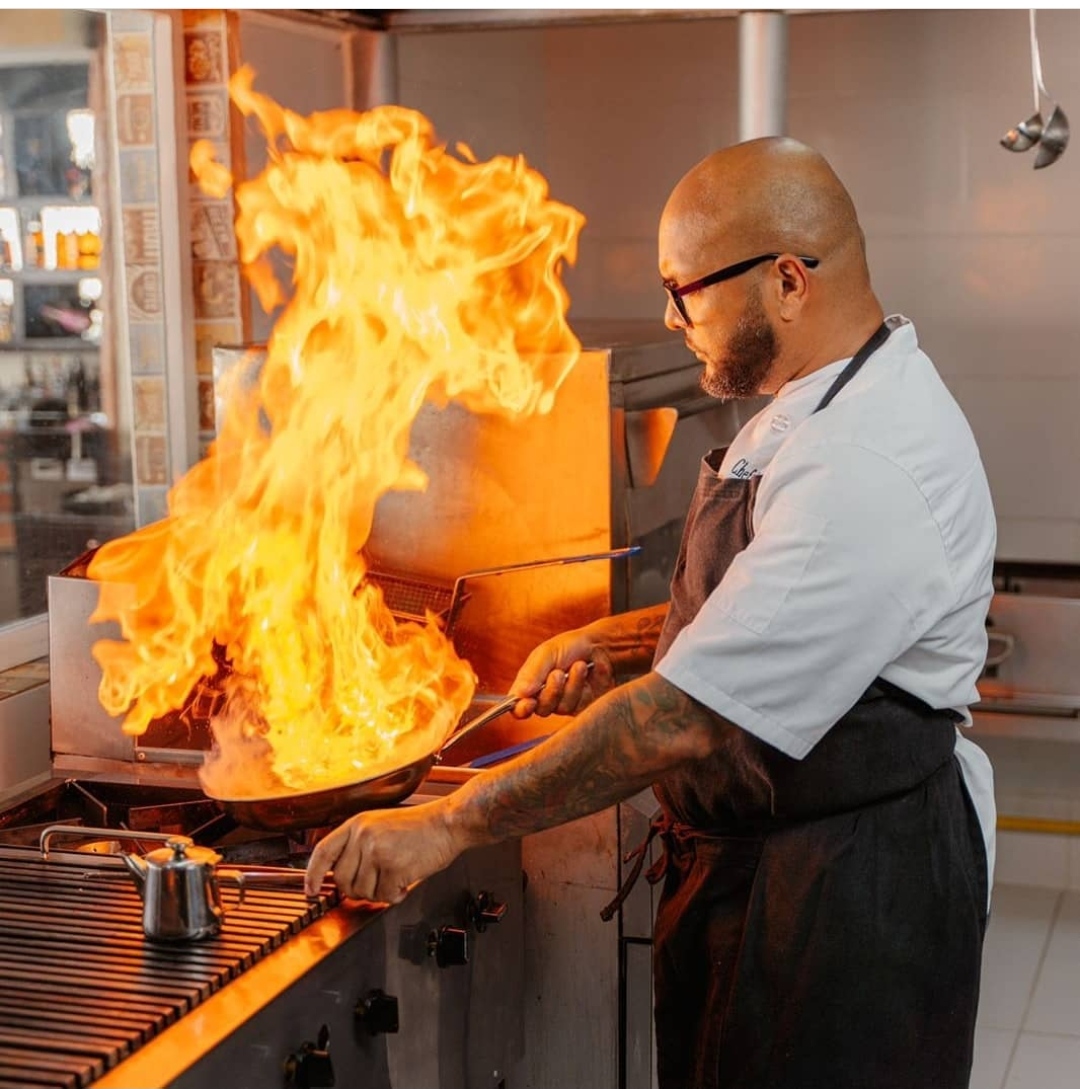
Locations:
(821, 920)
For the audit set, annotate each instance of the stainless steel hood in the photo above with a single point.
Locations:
(419, 20)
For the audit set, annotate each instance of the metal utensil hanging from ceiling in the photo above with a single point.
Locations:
(1051, 135)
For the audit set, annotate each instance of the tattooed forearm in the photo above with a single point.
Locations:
(619, 745)
(630, 638)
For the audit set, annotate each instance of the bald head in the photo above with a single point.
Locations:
(773, 195)
(767, 195)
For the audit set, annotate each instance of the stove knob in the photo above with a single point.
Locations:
(485, 910)
(449, 945)
(378, 1012)
(310, 1067)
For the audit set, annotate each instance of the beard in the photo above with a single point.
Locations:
(751, 352)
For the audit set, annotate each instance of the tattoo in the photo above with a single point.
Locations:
(630, 638)
(622, 743)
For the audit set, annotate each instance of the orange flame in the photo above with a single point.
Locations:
(417, 276)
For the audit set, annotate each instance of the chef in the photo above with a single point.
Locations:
(798, 707)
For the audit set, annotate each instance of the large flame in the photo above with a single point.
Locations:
(418, 275)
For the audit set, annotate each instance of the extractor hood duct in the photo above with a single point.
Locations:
(762, 74)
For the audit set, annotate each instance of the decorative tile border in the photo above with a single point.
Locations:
(210, 43)
(131, 59)
(216, 278)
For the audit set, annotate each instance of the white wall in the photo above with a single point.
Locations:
(965, 238)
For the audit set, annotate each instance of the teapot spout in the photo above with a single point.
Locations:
(138, 869)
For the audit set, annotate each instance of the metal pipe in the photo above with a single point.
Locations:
(762, 74)
(373, 62)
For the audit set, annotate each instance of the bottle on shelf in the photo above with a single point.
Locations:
(67, 250)
(35, 245)
(89, 250)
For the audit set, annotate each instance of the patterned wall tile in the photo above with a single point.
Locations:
(204, 55)
(217, 289)
(208, 113)
(144, 291)
(146, 344)
(132, 62)
(142, 234)
(212, 234)
(135, 120)
(138, 176)
(151, 459)
(149, 404)
(206, 405)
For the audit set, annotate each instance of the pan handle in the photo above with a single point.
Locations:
(483, 719)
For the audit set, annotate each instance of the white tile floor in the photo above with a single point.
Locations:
(1028, 1032)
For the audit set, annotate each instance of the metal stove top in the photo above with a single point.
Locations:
(80, 987)
(86, 1000)
(133, 807)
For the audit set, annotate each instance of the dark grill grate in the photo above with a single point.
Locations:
(81, 988)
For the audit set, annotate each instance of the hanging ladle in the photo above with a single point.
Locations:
(1054, 139)
(1052, 136)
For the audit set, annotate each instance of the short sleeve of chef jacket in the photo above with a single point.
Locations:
(846, 568)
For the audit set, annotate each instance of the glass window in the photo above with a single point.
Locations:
(65, 464)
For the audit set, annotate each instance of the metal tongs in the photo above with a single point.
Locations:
(1052, 136)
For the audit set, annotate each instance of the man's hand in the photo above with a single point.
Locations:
(556, 678)
(380, 855)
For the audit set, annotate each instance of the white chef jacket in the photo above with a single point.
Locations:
(873, 550)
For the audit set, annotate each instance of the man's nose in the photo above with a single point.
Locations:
(672, 318)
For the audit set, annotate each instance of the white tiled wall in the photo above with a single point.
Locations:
(964, 237)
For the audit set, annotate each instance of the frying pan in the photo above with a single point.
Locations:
(296, 811)
(302, 810)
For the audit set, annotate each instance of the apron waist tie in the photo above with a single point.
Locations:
(674, 835)
(660, 826)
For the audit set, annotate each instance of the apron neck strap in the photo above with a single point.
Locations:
(880, 335)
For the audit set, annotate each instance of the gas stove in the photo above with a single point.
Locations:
(292, 992)
(135, 807)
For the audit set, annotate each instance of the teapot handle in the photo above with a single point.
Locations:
(238, 877)
(117, 834)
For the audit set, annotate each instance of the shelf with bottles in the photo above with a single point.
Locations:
(50, 223)
(50, 238)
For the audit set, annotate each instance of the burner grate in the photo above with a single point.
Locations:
(80, 987)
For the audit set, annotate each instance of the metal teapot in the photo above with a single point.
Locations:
(178, 883)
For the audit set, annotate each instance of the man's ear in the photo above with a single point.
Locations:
(791, 284)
